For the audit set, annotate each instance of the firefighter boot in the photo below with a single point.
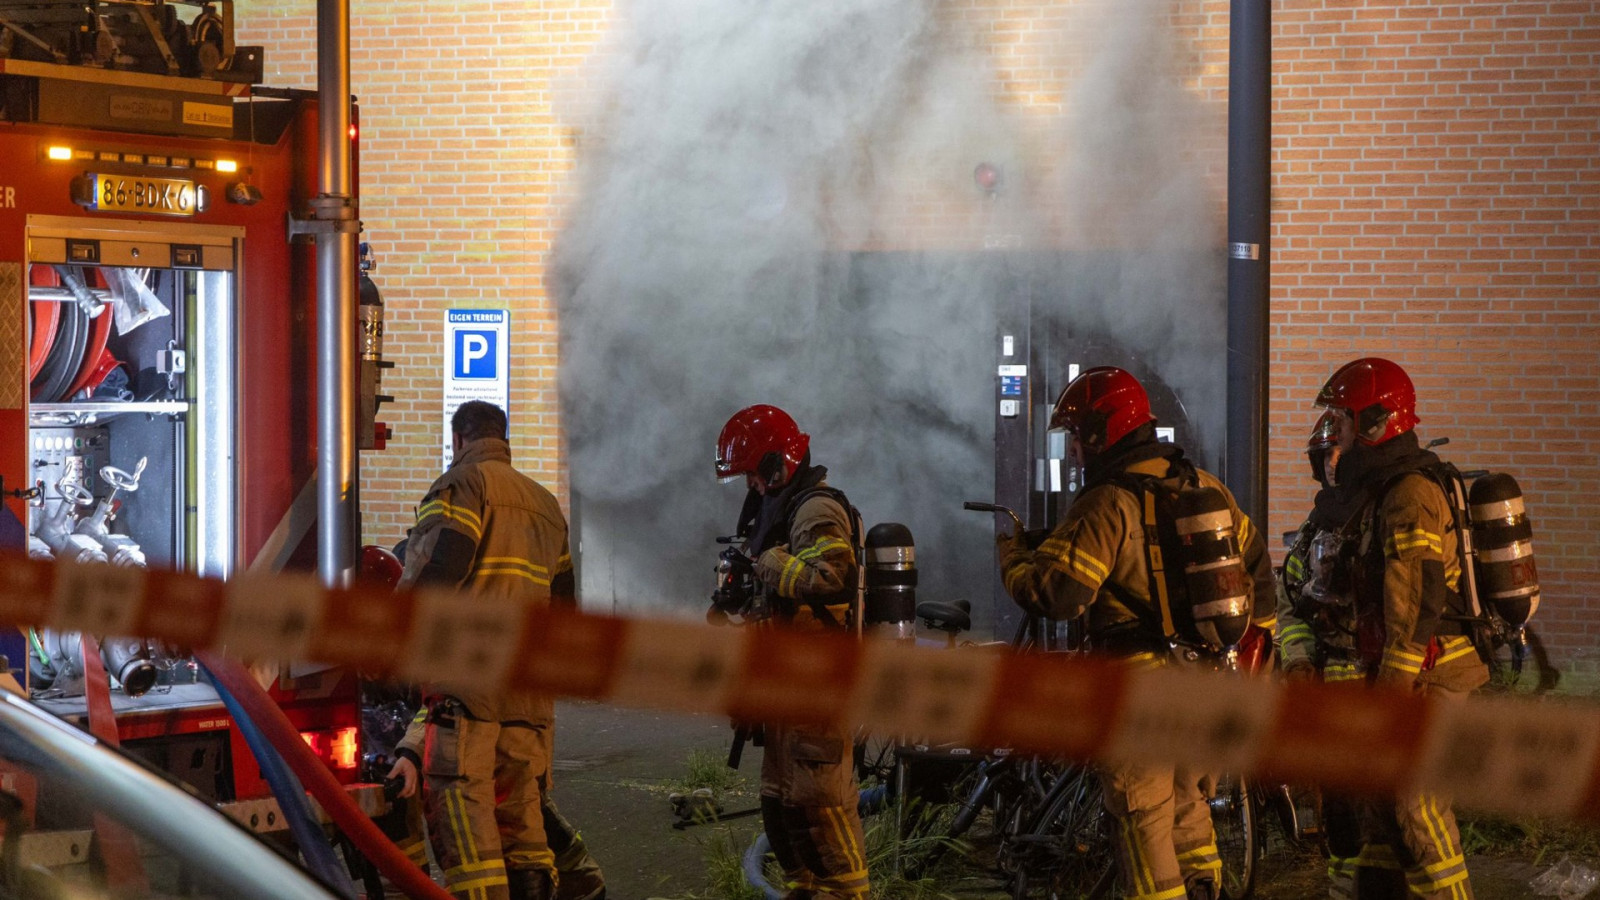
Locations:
(530, 884)
(581, 878)
(1203, 889)
(578, 875)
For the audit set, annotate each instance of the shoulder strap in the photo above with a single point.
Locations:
(1142, 487)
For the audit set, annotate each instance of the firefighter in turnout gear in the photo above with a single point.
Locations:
(484, 761)
(1098, 562)
(1404, 570)
(1317, 626)
(799, 535)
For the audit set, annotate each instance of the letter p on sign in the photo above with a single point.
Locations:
(475, 354)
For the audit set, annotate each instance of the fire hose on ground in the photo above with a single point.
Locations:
(394, 865)
(314, 847)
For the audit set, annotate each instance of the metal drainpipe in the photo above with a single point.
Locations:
(1249, 257)
(335, 210)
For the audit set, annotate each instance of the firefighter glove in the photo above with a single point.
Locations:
(1013, 549)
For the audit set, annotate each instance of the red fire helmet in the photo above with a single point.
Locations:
(1377, 394)
(757, 440)
(1101, 406)
(379, 567)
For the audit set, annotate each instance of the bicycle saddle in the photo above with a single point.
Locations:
(943, 616)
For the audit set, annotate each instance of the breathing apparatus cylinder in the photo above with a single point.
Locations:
(892, 581)
(1507, 579)
(1218, 585)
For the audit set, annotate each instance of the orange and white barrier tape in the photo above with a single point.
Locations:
(1493, 753)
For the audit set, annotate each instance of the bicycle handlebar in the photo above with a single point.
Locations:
(993, 508)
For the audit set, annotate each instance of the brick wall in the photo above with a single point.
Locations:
(1436, 201)
(461, 162)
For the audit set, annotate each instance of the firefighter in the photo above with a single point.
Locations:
(495, 534)
(1317, 628)
(1096, 561)
(799, 539)
(1403, 568)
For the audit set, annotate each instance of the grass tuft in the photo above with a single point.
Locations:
(709, 769)
(1535, 837)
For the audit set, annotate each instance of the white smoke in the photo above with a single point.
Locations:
(755, 223)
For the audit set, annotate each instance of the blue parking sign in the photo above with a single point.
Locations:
(475, 354)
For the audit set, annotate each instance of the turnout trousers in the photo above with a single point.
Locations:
(483, 787)
(1411, 847)
(808, 810)
(1161, 829)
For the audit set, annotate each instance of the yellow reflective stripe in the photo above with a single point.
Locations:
(1437, 833)
(1268, 624)
(1395, 657)
(792, 570)
(1401, 664)
(516, 561)
(1244, 531)
(1341, 672)
(1417, 537)
(454, 513)
(1453, 648)
(853, 853)
(512, 570)
(476, 867)
(1294, 568)
(486, 881)
(822, 546)
(1299, 632)
(1203, 859)
(1143, 880)
(1069, 557)
(563, 563)
(1444, 864)
(1422, 883)
(462, 828)
(1447, 846)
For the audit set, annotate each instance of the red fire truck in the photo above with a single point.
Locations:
(158, 353)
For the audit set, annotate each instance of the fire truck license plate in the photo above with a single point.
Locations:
(161, 196)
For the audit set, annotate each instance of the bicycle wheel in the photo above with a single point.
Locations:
(1065, 851)
(1233, 817)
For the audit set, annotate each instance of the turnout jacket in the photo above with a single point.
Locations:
(804, 554)
(1095, 559)
(1408, 570)
(507, 533)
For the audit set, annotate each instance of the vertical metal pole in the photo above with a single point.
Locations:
(1249, 258)
(334, 208)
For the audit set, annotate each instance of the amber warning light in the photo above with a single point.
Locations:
(339, 748)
